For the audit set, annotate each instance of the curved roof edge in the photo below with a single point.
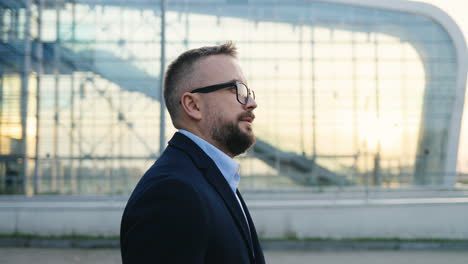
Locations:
(441, 17)
(418, 8)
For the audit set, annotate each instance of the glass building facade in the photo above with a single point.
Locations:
(348, 95)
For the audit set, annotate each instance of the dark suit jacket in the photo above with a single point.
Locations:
(183, 211)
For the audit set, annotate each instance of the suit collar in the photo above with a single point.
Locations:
(217, 180)
(182, 142)
(227, 165)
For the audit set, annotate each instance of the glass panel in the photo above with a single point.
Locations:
(347, 95)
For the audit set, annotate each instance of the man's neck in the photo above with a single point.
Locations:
(210, 140)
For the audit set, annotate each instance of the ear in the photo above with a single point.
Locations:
(191, 104)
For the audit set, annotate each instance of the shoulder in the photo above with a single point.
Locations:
(170, 198)
(158, 185)
(172, 180)
(165, 218)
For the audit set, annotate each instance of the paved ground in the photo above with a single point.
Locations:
(111, 256)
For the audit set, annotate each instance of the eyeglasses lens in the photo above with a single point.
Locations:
(242, 93)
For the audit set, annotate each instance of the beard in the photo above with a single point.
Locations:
(230, 136)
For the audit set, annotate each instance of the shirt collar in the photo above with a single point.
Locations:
(228, 166)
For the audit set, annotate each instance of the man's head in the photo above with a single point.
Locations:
(221, 114)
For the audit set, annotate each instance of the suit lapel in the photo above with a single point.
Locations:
(214, 176)
(256, 243)
(217, 180)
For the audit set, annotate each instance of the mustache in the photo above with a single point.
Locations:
(247, 115)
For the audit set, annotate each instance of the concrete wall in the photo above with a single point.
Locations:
(444, 218)
(95, 217)
(440, 218)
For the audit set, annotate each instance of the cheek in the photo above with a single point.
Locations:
(218, 111)
(224, 110)
(214, 117)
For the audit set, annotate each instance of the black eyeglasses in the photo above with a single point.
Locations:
(242, 92)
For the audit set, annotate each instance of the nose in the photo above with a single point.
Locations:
(251, 103)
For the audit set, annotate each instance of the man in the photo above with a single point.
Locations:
(186, 208)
